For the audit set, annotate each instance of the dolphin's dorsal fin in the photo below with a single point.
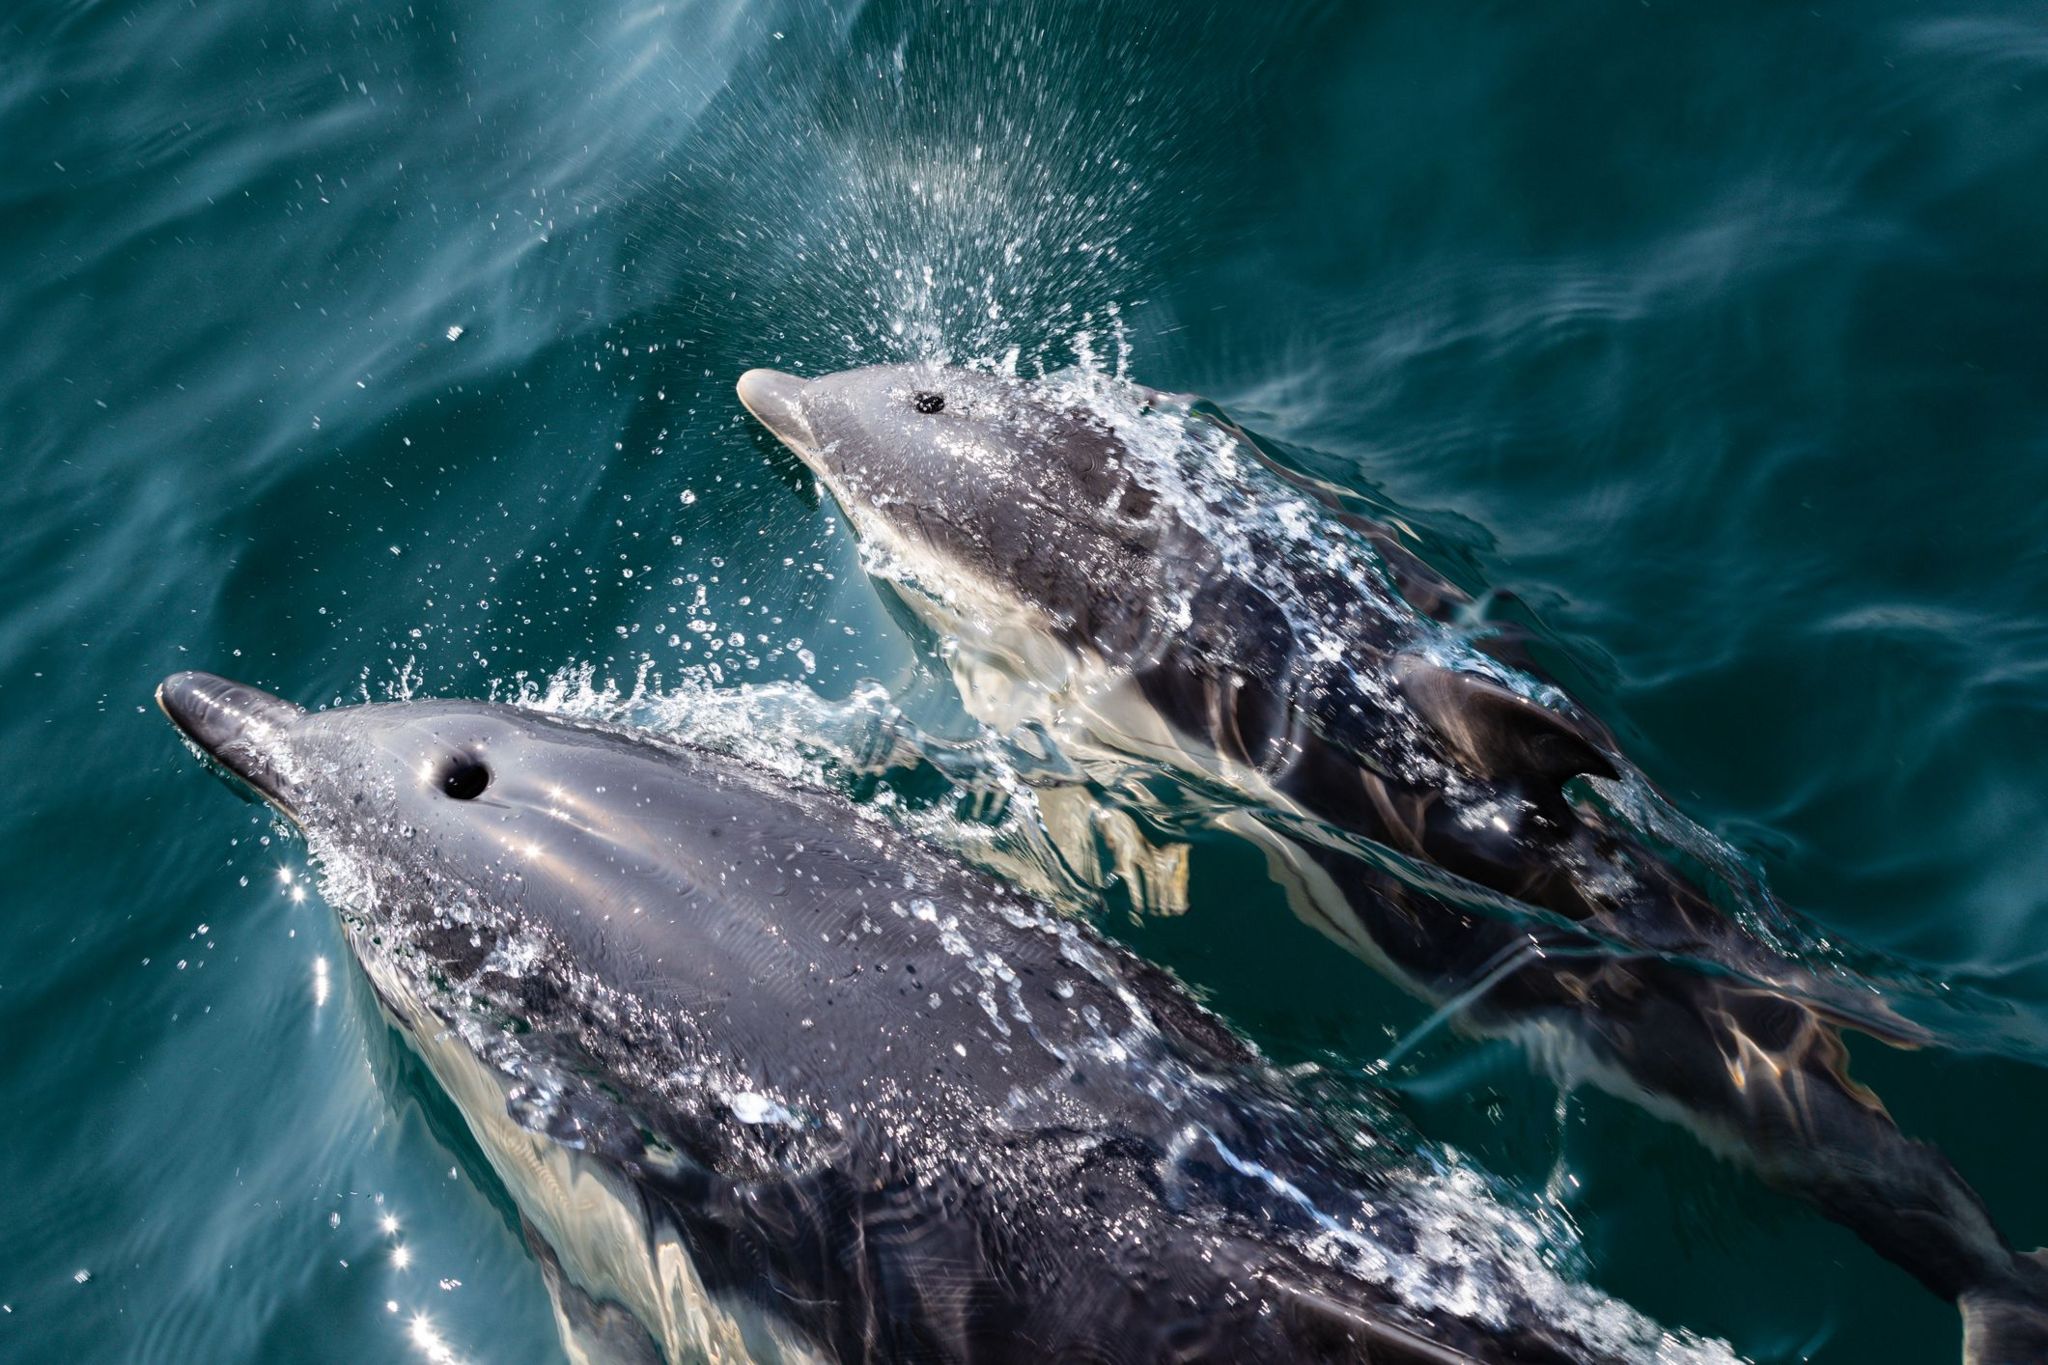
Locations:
(1493, 733)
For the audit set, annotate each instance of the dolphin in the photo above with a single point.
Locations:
(769, 1079)
(1134, 572)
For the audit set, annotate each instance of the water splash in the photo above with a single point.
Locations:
(935, 186)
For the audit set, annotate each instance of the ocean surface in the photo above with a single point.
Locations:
(387, 348)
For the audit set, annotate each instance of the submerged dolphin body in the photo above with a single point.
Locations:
(1126, 568)
(770, 1080)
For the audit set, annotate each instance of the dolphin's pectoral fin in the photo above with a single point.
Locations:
(1493, 733)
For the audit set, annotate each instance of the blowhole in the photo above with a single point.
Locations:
(925, 401)
(465, 778)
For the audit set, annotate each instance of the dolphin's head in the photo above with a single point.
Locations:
(433, 789)
(984, 495)
(447, 803)
(493, 863)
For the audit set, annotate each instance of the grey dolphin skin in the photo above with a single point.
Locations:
(1133, 571)
(771, 1080)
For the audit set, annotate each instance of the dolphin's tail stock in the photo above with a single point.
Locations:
(2008, 1326)
(1766, 1075)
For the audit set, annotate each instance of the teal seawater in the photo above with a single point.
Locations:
(395, 341)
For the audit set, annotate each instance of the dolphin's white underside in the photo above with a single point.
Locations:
(608, 1244)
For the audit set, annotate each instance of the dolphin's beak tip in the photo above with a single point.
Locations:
(213, 711)
(775, 400)
(185, 696)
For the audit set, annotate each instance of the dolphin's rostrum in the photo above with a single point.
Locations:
(770, 1080)
(1135, 572)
